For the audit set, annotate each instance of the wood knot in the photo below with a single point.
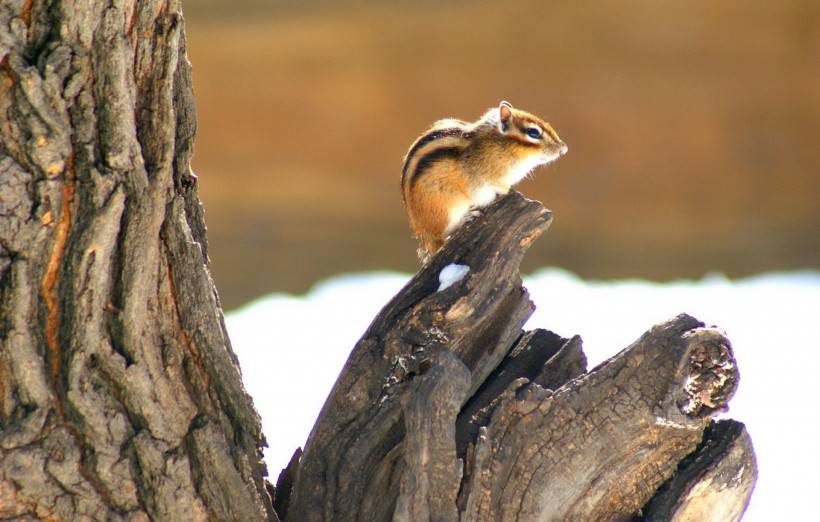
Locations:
(711, 373)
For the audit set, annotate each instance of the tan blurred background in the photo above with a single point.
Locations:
(694, 130)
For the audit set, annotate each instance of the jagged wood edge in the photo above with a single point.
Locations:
(540, 356)
(350, 465)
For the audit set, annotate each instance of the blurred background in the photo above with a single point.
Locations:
(693, 130)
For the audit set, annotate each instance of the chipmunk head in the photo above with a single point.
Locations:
(537, 140)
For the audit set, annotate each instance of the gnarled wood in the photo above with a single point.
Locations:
(598, 447)
(446, 410)
(344, 475)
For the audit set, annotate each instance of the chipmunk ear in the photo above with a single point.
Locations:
(504, 116)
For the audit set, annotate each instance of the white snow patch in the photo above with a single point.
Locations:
(451, 274)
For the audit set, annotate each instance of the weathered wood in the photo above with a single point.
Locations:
(598, 447)
(432, 473)
(539, 356)
(344, 475)
(284, 485)
(515, 430)
(120, 397)
(714, 483)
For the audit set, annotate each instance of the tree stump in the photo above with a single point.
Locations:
(120, 397)
(447, 410)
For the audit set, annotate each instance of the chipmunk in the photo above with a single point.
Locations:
(455, 167)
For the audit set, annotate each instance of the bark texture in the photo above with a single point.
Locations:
(120, 396)
(447, 410)
(710, 480)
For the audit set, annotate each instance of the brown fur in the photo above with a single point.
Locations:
(442, 188)
(455, 166)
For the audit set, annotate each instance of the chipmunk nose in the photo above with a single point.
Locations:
(564, 149)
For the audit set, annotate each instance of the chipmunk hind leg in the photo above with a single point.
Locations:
(429, 223)
(435, 215)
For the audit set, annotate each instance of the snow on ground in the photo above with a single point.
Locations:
(292, 348)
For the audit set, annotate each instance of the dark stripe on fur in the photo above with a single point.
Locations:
(430, 159)
(424, 140)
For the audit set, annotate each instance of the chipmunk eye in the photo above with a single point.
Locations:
(534, 133)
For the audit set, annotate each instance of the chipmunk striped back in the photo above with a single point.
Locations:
(446, 138)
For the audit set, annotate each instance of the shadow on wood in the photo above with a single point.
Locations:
(447, 410)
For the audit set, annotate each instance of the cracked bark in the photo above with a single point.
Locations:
(120, 396)
(447, 410)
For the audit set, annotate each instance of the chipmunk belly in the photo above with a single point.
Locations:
(459, 209)
(484, 194)
(457, 213)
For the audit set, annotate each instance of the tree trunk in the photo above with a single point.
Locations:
(446, 410)
(120, 396)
